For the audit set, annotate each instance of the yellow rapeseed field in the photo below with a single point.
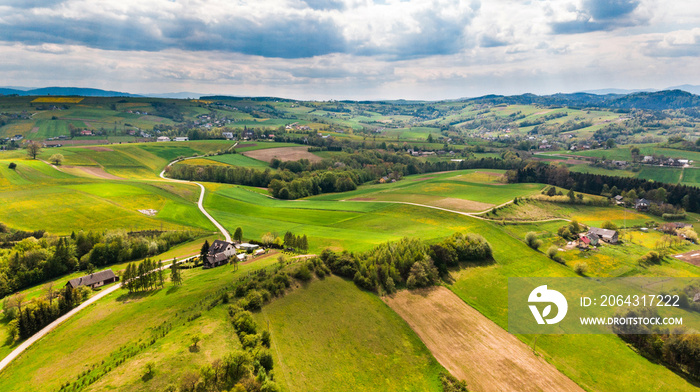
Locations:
(58, 100)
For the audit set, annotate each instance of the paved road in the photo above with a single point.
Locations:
(27, 343)
(201, 199)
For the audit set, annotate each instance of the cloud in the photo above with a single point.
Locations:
(272, 28)
(599, 15)
(680, 43)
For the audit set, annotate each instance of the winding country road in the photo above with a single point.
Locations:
(34, 338)
(201, 199)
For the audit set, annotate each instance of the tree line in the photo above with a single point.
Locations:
(26, 319)
(677, 350)
(408, 262)
(33, 260)
(303, 178)
(683, 196)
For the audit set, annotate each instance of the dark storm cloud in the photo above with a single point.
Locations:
(286, 34)
(600, 15)
(291, 37)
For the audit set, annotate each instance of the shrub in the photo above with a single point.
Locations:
(302, 273)
(12, 165)
(265, 359)
(552, 253)
(581, 268)
(255, 300)
(609, 225)
(532, 241)
(269, 386)
(651, 258)
(265, 338)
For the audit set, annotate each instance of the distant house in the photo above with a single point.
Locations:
(93, 280)
(182, 139)
(696, 298)
(641, 204)
(219, 252)
(679, 225)
(619, 199)
(163, 139)
(606, 235)
(241, 257)
(620, 163)
(85, 132)
(227, 135)
(648, 159)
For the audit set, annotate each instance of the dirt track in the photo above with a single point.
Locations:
(283, 154)
(472, 347)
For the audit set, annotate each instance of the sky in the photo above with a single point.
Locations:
(350, 49)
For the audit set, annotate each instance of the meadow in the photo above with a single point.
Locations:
(127, 320)
(465, 190)
(331, 318)
(39, 193)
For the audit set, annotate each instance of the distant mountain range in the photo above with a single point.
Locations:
(657, 100)
(67, 91)
(684, 87)
(676, 97)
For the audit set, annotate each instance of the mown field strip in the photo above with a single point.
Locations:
(474, 348)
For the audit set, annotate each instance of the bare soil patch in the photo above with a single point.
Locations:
(472, 347)
(75, 142)
(463, 205)
(98, 172)
(34, 130)
(692, 257)
(97, 148)
(283, 154)
(488, 173)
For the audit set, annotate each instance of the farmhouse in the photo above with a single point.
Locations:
(227, 135)
(182, 139)
(606, 235)
(641, 204)
(93, 280)
(697, 298)
(589, 238)
(219, 252)
(619, 199)
(86, 132)
(163, 139)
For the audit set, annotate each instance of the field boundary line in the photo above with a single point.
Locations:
(469, 214)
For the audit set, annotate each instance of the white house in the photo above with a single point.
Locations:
(163, 139)
(182, 139)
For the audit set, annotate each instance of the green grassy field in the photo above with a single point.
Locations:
(239, 160)
(444, 190)
(37, 196)
(371, 347)
(121, 320)
(596, 362)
